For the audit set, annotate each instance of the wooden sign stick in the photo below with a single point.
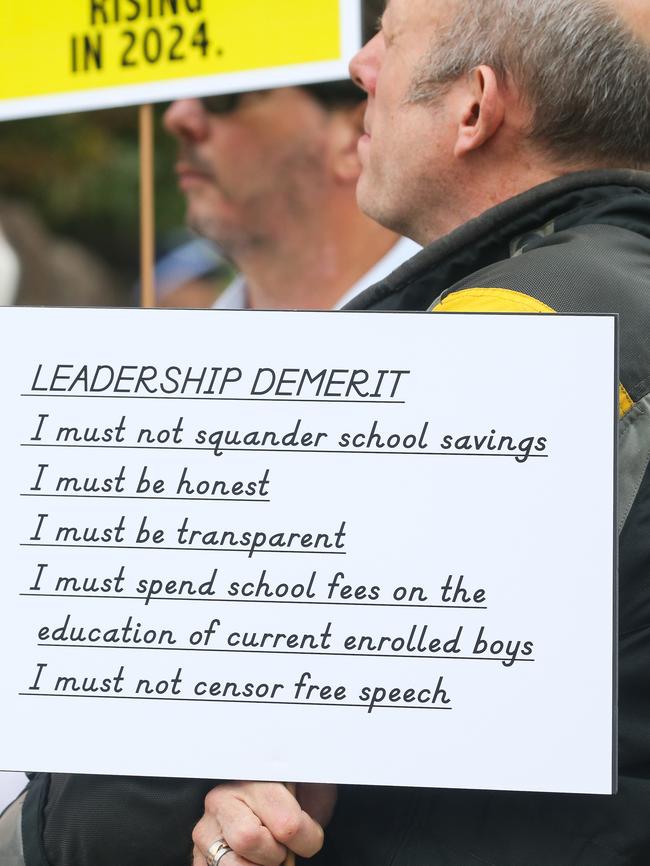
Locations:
(147, 221)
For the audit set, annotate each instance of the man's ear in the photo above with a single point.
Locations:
(482, 110)
(346, 128)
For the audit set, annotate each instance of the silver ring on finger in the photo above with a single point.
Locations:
(217, 851)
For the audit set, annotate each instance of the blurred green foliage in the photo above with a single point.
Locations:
(81, 174)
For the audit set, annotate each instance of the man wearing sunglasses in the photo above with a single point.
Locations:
(270, 176)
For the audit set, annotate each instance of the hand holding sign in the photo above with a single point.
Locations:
(261, 821)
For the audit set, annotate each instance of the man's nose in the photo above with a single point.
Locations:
(364, 66)
(187, 119)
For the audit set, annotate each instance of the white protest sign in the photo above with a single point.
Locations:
(88, 54)
(362, 548)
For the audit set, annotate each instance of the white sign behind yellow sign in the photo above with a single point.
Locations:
(86, 54)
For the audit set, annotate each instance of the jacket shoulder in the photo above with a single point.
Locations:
(588, 269)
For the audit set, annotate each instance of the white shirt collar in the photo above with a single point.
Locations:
(234, 295)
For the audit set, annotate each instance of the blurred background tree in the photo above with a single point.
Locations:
(80, 174)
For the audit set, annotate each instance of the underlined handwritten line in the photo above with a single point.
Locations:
(246, 550)
(150, 498)
(345, 655)
(224, 448)
(215, 399)
(365, 707)
(254, 601)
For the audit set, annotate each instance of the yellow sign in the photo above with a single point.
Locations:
(72, 54)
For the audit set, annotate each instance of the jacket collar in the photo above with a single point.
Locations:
(614, 197)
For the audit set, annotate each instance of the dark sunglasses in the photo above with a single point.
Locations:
(222, 103)
(332, 94)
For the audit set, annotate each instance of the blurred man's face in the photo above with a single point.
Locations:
(250, 167)
(407, 152)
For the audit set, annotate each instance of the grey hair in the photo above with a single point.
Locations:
(584, 74)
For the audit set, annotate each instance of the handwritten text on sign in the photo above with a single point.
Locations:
(94, 53)
(385, 529)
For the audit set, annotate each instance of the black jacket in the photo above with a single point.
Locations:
(578, 244)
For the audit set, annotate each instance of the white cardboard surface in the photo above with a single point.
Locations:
(99, 679)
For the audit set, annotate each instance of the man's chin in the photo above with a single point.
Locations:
(226, 237)
(365, 199)
(201, 225)
(203, 217)
(370, 204)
